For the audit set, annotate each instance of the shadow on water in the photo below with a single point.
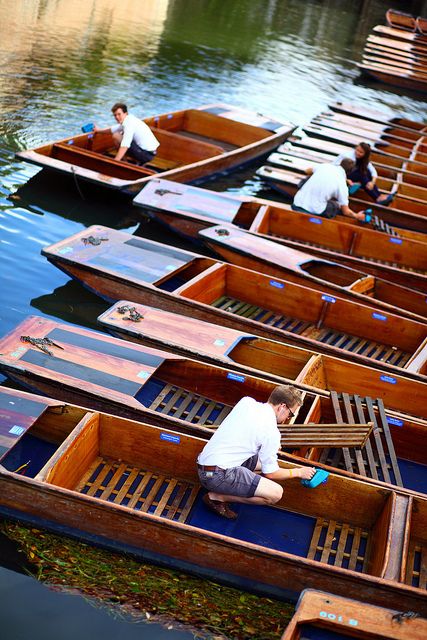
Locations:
(47, 613)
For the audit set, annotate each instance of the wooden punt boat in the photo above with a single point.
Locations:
(400, 146)
(323, 615)
(371, 126)
(406, 212)
(387, 166)
(395, 56)
(268, 359)
(422, 25)
(401, 20)
(187, 209)
(179, 281)
(400, 34)
(367, 113)
(134, 487)
(400, 136)
(398, 46)
(246, 250)
(194, 144)
(392, 75)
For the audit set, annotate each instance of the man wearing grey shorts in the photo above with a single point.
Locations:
(247, 441)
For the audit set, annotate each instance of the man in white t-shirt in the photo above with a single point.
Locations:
(325, 192)
(131, 135)
(248, 440)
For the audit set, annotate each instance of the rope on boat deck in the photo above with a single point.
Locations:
(73, 171)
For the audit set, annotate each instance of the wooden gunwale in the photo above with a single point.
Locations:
(389, 75)
(372, 114)
(152, 536)
(400, 34)
(190, 303)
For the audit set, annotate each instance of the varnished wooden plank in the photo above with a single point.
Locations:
(85, 479)
(357, 453)
(354, 553)
(110, 488)
(328, 541)
(341, 545)
(378, 441)
(139, 490)
(97, 484)
(160, 398)
(339, 418)
(390, 443)
(148, 500)
(368, 447)
(123, 492)
(165, 497)
(174, 507)
(188, 505)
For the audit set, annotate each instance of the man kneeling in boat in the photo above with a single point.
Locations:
(325, 192)
(131, 135)
(248, 440)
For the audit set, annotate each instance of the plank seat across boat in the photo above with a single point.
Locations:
(134, 487)
(194, 144)
(150, 273)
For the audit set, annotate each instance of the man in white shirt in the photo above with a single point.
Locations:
(248, 440)
(325, 192)
(131, 135)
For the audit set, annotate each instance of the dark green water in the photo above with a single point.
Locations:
(65, 63)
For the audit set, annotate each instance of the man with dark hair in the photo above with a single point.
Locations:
(248, 440)
(325, 192)
(131, 135)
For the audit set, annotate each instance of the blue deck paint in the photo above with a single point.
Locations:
(414, 475)
(29, 448)
(267, 526)
(308, 632)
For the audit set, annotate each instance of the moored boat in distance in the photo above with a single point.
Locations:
(331, 616)
(187, 209)
(265, 256)
(194, 144)
(117, 265)
(134, 487)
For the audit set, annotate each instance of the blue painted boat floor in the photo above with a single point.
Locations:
(31, 450)
(414, 475)
(269, 527)
(309, 632)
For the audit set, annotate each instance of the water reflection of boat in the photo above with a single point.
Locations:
(134, 487)
(194, 144)
(123, 266)
(187, 209)
(333, 617)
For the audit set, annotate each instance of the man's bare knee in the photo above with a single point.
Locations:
(271, 492)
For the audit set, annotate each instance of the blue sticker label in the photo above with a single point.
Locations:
(328, 298)
(70, 142)
(315, 220)
(16, 430)
(236, 377)
(388, 379)
(170, 438)
(379, 316)
(65, 250)
(395, 421)
(279, 285)
(170, 115)
(219, 343)
(142, 374)
(395, 240)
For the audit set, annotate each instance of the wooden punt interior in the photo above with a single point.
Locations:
(210, 134)
(151, 470)
(415, 573)
(305, 312)
(343, 238)
(396, 451)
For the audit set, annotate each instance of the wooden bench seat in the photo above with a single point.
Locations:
(325, 435)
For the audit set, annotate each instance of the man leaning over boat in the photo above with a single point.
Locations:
(247, 441)
(131, 135)
(325, 191)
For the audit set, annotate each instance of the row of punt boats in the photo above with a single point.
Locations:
(396, 54)
(337, 309)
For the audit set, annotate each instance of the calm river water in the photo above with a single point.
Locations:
(64, 63)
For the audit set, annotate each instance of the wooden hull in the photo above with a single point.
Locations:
(65, 492)
(373, 115)
(267, 358)
(336, 615)
(390, 75)
(194, 144)
(240, 299)
(401, 20)
(245, 250)
(186, 210)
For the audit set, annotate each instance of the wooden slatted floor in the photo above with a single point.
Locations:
(348, 342)
(378, 458)
(191, 407)
(416, 571)
(138, 489)
(339, 544)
